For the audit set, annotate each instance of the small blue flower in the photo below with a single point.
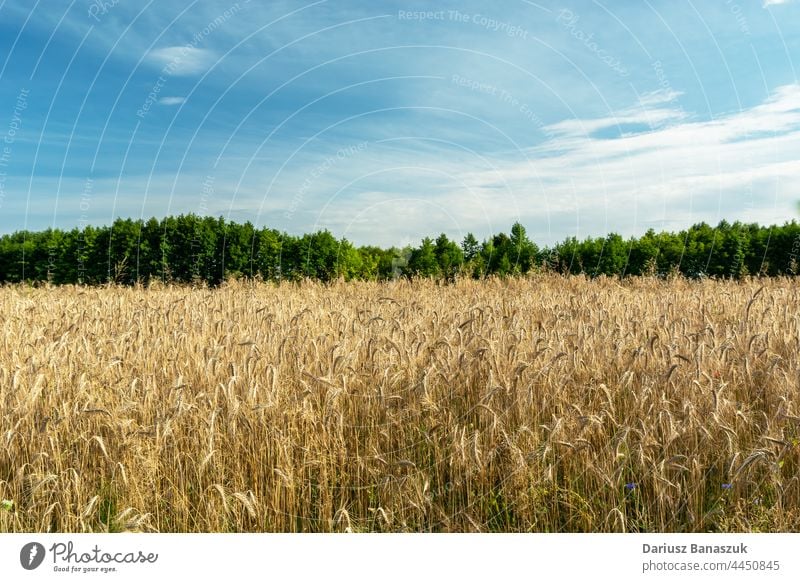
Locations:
(727, 486)
(630, 486)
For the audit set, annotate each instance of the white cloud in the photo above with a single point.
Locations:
(649, 165)
(172, 100)
(738, 166)
(652, 111)
(658, 97)
(182, 60)
(775, 2)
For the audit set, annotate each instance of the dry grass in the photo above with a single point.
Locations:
(520, 405)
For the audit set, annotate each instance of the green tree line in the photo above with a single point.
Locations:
(193, 249)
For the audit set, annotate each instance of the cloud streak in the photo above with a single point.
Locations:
(182, 60)
(172, 100)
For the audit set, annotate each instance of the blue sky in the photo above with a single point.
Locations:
(388, 121)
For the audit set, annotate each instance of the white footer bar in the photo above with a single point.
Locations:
(407, 557)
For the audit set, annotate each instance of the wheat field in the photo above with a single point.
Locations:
(546, 404)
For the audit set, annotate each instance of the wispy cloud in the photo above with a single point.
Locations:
(182, 60)
(172, 100)
(652, 111)
(678, 171)
(775, 2)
